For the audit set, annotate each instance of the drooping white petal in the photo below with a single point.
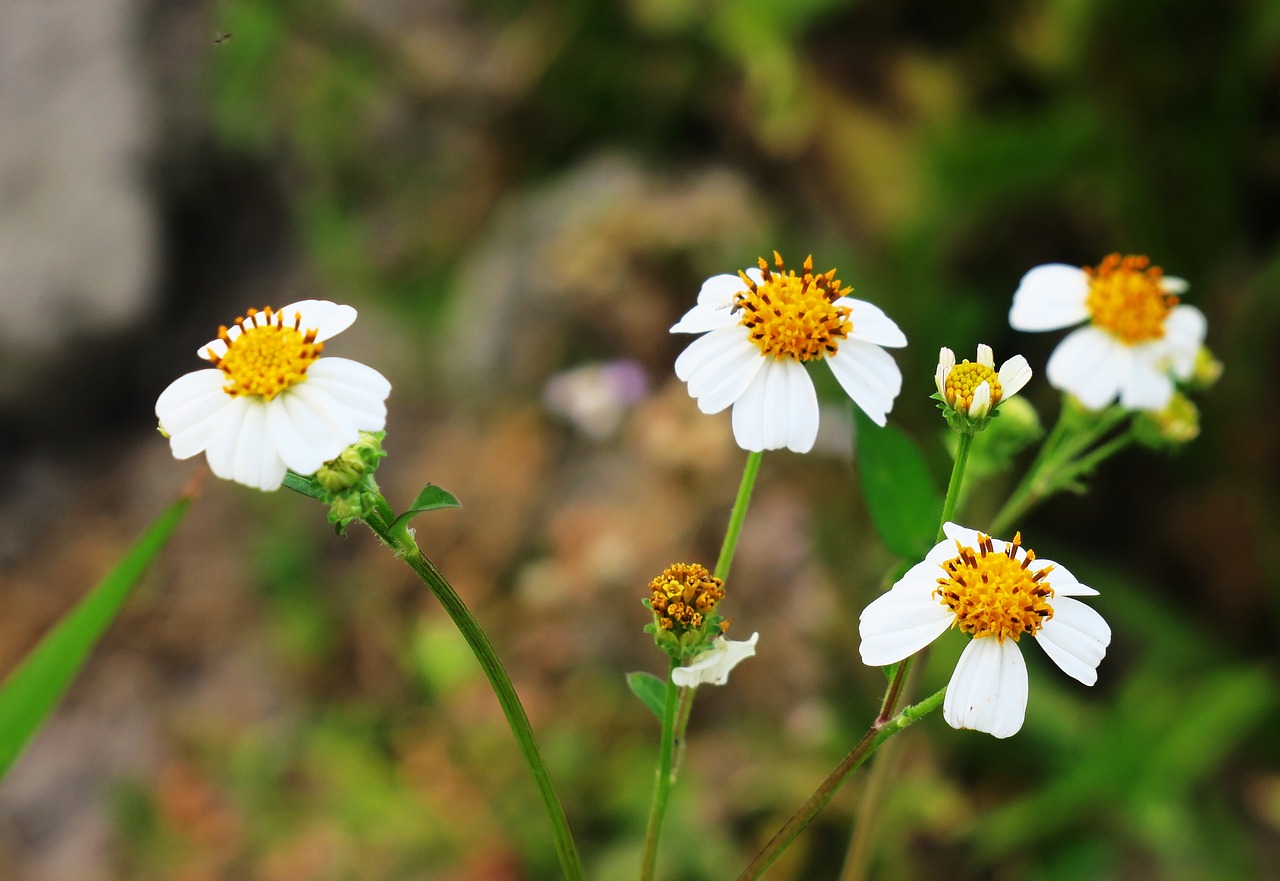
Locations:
(302, 451)
(190, 399)
(220, 447)
(341, 421)
(869, 376)
(701, 319)
(713, 666)
(1014, 374)
(988, 691)
(320, 436)
(358, 387)
(1090, 364)
(791, 408)
(986, 357)
(899, 623)
(706, 349)
(256, 463)
(1050, 297)
(749, 413)
(1184, 331)
(328, 319)
(720, 382)
(871, 325)
(1146, 386)
(1075, 638)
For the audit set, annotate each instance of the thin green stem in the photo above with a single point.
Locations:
(956, 481)
(401, 541)
(739, 516)
(876, 735)
(663, 778)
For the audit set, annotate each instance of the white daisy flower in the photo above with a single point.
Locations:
(712, 666)
(760, 327)
(974, 390)
(270, 402)
(997, 592)
(1138, 338)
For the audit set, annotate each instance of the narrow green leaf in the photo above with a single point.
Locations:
(34, 688)
(651, 690)
(901, 496)
(431, 498)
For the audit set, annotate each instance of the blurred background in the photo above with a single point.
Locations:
(520, 196)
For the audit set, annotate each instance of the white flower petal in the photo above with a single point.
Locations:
(190, 399)
(1050, 297)
(1090, 364)
(706, 349)
(957, 533)
(328, 319)
(871, 325)
(946, 361)
(988, 691)
(220, 447)
(899, 623)
(1014, 374)
(1171, 284)
(1063, 582)
(869, 376)
(791, 408)
(986, 357)
(1075, 638)
(214, 348)
(255, 461)
(1146, 386)
(342, 423)
(749, 413)
(1184, 332)
(358, 387)
(981, 404)
(713, 666)
(701, 319)
(720, 382)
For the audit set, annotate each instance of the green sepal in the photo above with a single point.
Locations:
(431, 498)
(651, 690)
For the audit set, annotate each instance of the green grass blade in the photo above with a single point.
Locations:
(34, 688)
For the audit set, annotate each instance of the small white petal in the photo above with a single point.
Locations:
(755, 275)
(1014, 374)
(1050, 297)
(1171, 284)
(869, 376)
(220, 448)
(946, 361)
(214, 348)
(899, 623)
(1184, 332)
(871, 325)
(705, 349)
(328, 319)
(792, 404)
(358, 387)
(749, 414)
(1060, 578)
(1075, 638)
(701, 319)
(720, 382)
(962, 534)
(986, 357)
(1146, 386)
(190, 399)
(988, 691)
(981, 404)
(256, 463)
(713, 666)
(1090, 364)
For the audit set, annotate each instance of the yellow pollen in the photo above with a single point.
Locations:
(265, 360)
(995, 594)
(963, 381)
(794, 316)
(683, 594)
(1127, 298)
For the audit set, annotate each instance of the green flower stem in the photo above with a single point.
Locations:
(876, 735)
(401, 541)
(675, 722)
(957, 480)
(663, 777)
(739, 515)
(1061, 460)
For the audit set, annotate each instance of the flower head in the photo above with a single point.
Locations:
(969, 392)
(997, 592)
(712, 667)
(761, 326)
(1138, 340)
(271, 402)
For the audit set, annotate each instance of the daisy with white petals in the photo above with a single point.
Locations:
(270, 402)
(974, 390)
(760, 327)
(997, 592)
(712, 667)
(1138, 340)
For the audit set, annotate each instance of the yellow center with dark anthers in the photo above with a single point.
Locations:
(794, 316)
(683, 594)
(963, 381)
(265, 360)
(995, 594)
(1127, 298)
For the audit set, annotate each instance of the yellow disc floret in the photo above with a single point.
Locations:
(1127, 298)
(794, 316)
(963, 381)
(995, 594)
(266, 357)
(683, 595)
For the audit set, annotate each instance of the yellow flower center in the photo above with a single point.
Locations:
(266, 360)
(794, 316)
(963, 381)
(1127, 298)
(995, 594)
(683, 594)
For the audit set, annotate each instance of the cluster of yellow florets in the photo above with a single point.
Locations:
(683, 595)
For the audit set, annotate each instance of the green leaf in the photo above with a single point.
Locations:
(900, 494)
(431, 498)
(651, 690)
(33, 689)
